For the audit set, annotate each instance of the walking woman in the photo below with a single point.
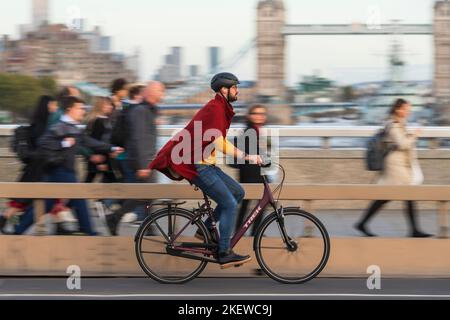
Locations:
(99, 127)
(401, 166)
(33, 170)
(248, 172)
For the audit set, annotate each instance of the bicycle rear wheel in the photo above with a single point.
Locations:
(154, 237)
(294, 248)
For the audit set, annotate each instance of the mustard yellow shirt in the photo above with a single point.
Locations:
(226, 147)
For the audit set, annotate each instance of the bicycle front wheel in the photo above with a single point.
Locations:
(157, 233)
(294, 248)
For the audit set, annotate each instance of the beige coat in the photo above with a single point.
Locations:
(398, 165)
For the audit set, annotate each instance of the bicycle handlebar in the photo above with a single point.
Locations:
(267, 162)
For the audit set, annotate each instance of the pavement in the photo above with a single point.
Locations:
(257, 288)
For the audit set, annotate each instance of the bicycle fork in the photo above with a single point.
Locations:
(290, 243)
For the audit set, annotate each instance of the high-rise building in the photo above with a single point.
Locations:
(168, 59)
(194, 71)
(98, 42)
(176, 58)
(442, 54)
(40, 13)
(270, 45)
(214, 59)
(170, 72)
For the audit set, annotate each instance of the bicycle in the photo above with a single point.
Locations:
(179, 257)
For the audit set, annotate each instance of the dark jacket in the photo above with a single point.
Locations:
(100, 129)
(141, 142)
(52, 140)
(248, 173)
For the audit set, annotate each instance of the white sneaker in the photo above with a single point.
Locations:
(129, 217)
(67, 216)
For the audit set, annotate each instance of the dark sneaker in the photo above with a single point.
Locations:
(112, 222)
(3, 222)
(62, 231)
(230, 259)
(199, 235)
(361, 228)
(420, 234)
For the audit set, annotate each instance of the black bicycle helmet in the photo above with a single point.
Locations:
(224, 79)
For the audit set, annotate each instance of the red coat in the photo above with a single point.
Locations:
(217, 114)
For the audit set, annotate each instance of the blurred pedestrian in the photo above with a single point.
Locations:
(99, 127)
(69, 91)
(401, 166)
(141, 149)
(248, 172)
(119, 92)
(33, 170)
(60, 145)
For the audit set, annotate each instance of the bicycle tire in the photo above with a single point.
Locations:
(273, 218)
(146, 227)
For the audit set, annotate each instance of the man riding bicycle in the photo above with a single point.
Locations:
(191, 155)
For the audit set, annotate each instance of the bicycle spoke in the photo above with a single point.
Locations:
(309, 256)
(154, 240)
(170, 225)
(174, 225)
(162, 232)
(153, 252)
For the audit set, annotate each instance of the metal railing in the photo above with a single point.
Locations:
(297, 192)
(433, 134)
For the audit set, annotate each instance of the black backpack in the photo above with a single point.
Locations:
(21, 143)
(378, 149)
(120, 130)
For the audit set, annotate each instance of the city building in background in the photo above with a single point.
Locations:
(271, 49)
(66, 55)
(194, 71)
(98, 43)
(69, 55)
(170, 72)
(40, 13)
(442, 59)
(214, 59)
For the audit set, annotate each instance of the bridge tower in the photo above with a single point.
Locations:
(271, 49)
(442, 58)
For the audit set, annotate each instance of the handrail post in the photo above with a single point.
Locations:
(434, 143)
(326, 143)
(443, 219)
(308, 227)
(39, 217)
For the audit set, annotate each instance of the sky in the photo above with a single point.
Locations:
(152, 26)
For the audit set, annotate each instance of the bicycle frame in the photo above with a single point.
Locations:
(183, 249)
(188, 249)
(258, 210)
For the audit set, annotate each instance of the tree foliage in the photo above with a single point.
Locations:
(19, 93)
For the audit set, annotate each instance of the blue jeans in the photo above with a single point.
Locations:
(129, 176)
(227, 193)
(60, 175)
